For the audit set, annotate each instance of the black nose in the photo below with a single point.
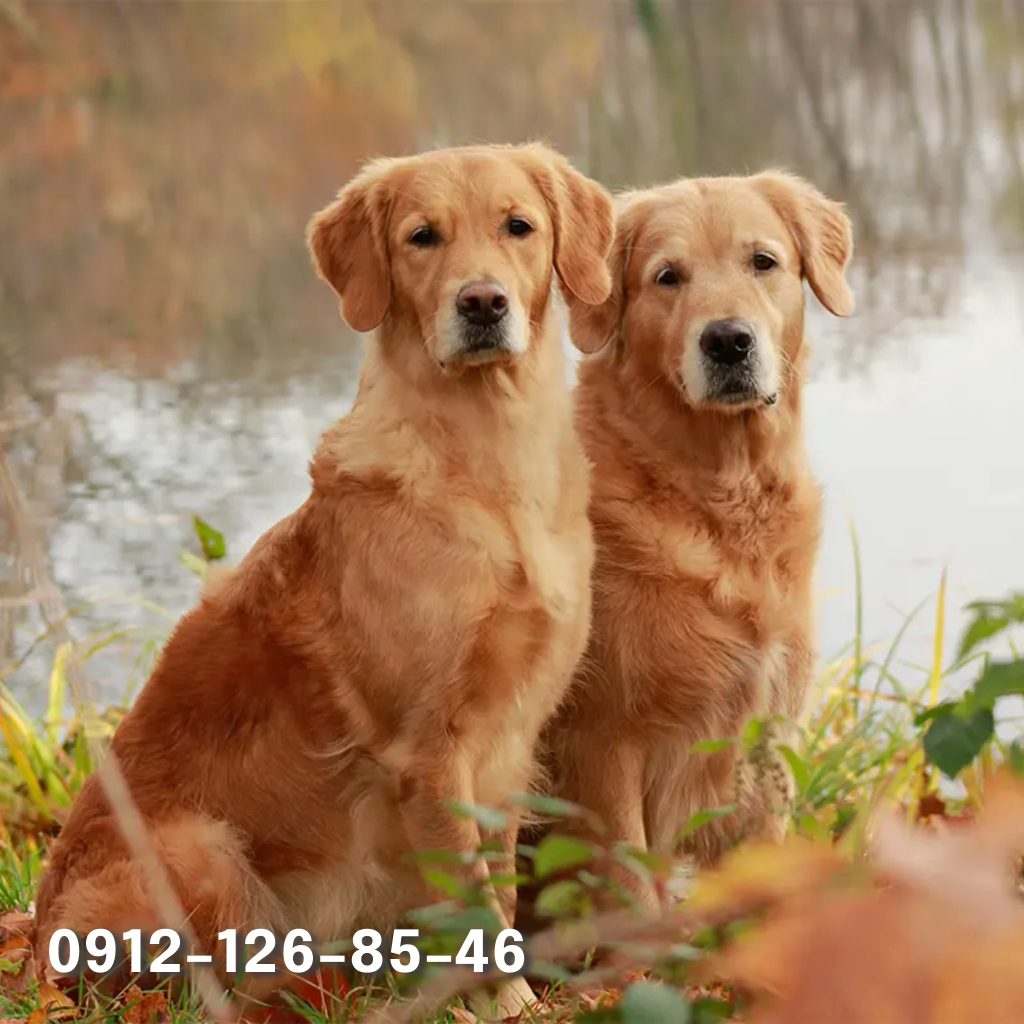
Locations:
(482, 302)
(727, 342)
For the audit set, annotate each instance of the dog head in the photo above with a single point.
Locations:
(708, 284)
(461, 244)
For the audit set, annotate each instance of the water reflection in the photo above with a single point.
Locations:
(165, 348)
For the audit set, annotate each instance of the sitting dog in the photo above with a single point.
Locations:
(705, 513)
(398, 642)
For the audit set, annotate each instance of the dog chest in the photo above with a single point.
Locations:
(525, 643)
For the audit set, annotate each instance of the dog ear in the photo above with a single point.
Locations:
(822, 232)
(583, 222)
(349, 247)
(594, 327)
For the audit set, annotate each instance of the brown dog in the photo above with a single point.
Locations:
(399, 641)
(705, 513)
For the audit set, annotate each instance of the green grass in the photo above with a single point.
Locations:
(865, 743)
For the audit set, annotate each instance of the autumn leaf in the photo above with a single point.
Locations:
(17, 967)
(14, 950)
(142, 1008)
(54, 1004)
(757, 874)
(942, 940)
(16, 922)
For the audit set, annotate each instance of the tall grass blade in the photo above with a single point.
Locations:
(12, 730)
(939, 643)
(858, 636)
(883, 672)
(58, 693)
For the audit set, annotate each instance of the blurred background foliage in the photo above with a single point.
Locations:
(166, 349)
(159, 161)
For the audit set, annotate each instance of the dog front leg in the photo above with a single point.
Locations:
(608, 779)
(432, 826)
(506, 867)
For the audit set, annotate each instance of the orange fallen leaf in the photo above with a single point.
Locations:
(55, 1004)
(11, 947)
(941, 941)
(931, 805)
(17, 970)
(142, 1008)
(16, 923)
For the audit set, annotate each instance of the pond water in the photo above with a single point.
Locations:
(166, 350)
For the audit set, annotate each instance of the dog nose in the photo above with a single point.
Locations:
(727, 342)
(482, 302)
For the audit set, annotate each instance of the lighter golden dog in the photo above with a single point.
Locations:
(705, 513)
(398, 642)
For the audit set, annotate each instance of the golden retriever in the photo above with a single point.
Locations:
(705, 513)
(398, 642)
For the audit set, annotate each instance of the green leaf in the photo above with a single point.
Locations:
(210, 540)
(486, 817)
(990, 618)
(424, 858)
(562, 899)
(444, 882)
(797, 766)
(954, 740)
(710, 746)
(1015, 757)
(559, 853)
(648, 1002)
(604, 1015)
(808, 825)
(939, 711)
(549, 806)
(509, 881)
(1000, 679)
(645, 864)
(844, 816)
(701, 818)
(707, 1011)
(752, 733)
(452, 918)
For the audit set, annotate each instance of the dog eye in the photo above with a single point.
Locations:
(764, 261)
(517, 226)
(667, 277)
(424, 237)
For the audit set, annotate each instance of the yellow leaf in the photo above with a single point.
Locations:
(20, 758)
(54, 1004)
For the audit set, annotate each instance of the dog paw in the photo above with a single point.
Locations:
(509, 999)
